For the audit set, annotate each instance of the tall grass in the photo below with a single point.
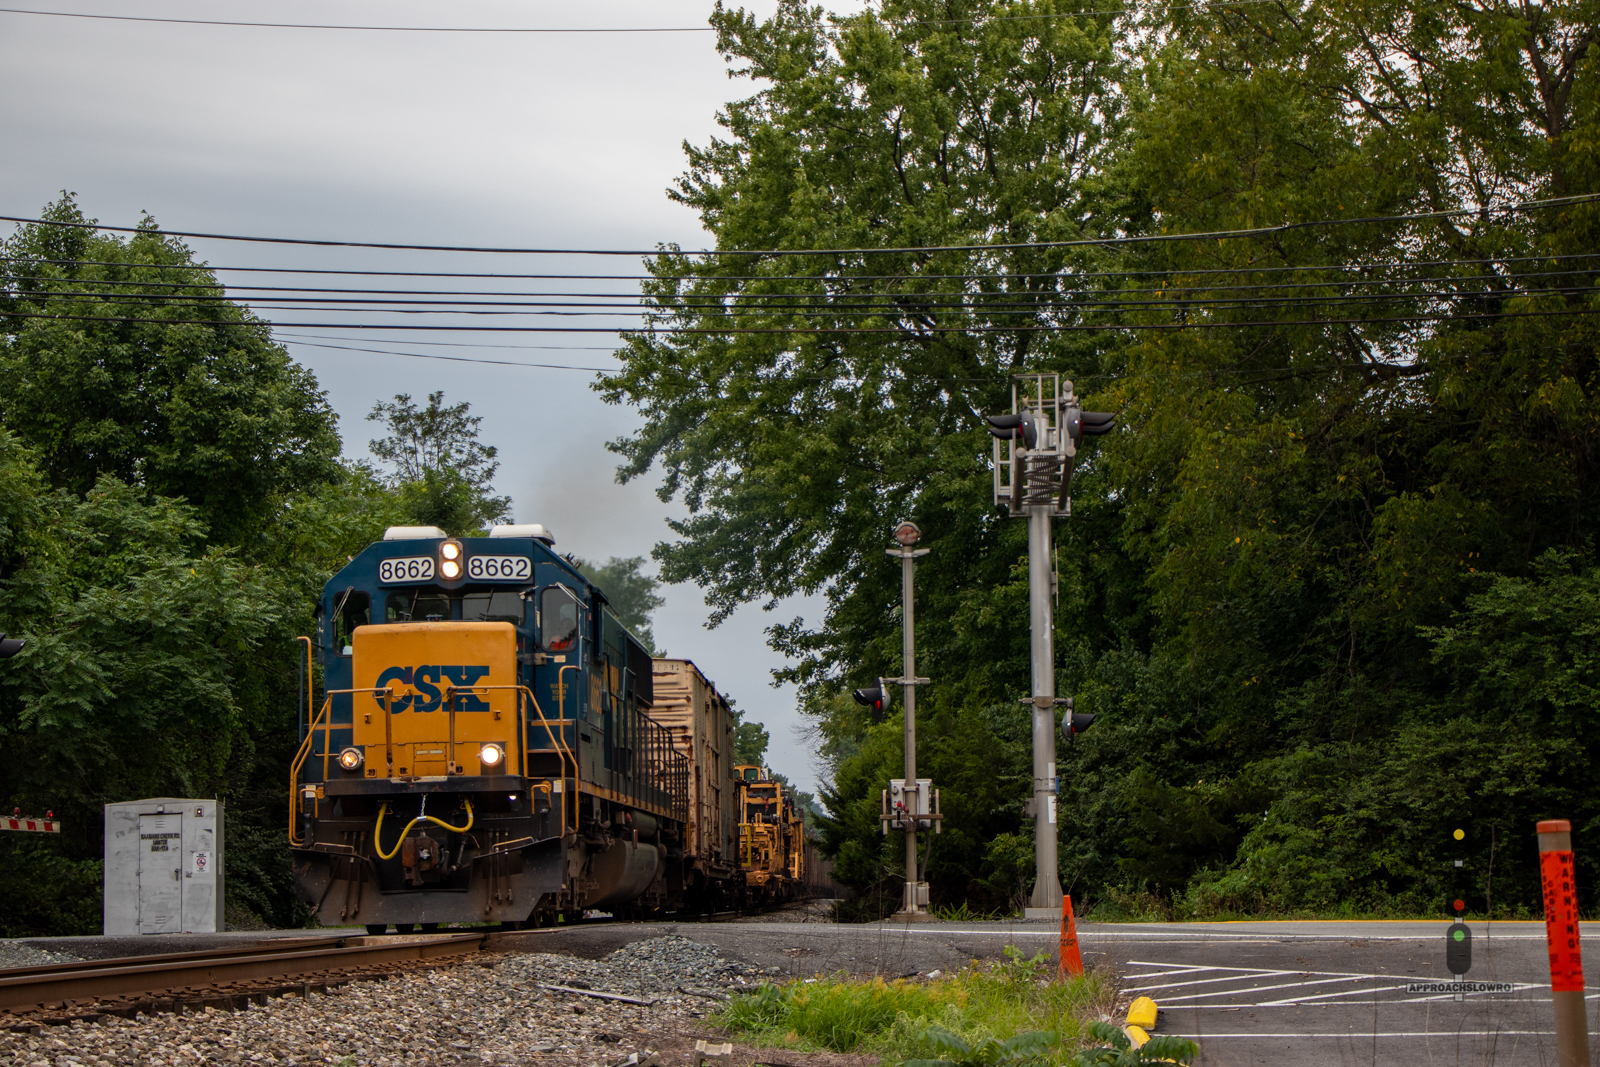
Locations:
(894, 1018)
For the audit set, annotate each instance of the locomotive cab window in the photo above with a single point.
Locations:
(558, 619)
(417, 606)
(502, 605)
(354, 609)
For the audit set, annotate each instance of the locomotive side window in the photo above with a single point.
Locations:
(559, 618)
(355, 610)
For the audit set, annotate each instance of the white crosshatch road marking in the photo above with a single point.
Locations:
(1247, 984)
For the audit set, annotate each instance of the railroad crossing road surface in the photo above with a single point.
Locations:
(1317, 994)
(1313, 994)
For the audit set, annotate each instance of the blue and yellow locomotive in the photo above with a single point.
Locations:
(484, 749)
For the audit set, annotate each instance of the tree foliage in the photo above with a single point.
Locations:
(631, 593)
(1351, 451)
(170, 506)
(124, 358)
(443, 474)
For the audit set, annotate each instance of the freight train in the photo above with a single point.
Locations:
(493, 745)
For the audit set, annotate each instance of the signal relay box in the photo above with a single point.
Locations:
(163, 872)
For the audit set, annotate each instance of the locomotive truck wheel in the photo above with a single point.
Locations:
(402, 928)
(428, 928)
(377, 929)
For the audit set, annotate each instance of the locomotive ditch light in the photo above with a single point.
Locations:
(491, 754)
(351, 759)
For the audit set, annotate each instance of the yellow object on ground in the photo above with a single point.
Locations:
(1137, 1035)
(1142, 1013)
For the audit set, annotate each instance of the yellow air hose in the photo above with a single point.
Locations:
(377, 831)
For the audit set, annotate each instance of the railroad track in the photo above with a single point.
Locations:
(31, 997)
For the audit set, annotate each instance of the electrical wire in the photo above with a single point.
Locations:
(1211, 235)
(453, 359)
(746, 307)
(801, 331)
(1184, 272)
(571, 29)
(693, 295)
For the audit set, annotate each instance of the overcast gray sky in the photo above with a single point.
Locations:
(526, 140)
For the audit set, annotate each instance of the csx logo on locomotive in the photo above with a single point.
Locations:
(426, 682)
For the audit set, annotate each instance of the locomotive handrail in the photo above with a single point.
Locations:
(326, 722)
(558, 736)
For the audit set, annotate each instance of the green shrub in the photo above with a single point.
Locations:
(985, 1010)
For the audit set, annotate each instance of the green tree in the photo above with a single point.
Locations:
(141, 671)
(171, 507)
(750, 744)
(1330, 430)
(796, 453)
(632, 594)
(124, 358)
(443, 474)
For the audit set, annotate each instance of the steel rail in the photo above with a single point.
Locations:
(30, 988)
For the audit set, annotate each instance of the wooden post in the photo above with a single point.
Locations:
(1561, 934)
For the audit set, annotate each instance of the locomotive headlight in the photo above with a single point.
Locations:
(350, 759)
(450, 559)
(491, 754)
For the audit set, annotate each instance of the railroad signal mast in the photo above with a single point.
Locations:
(910, 803)
(1035, 456)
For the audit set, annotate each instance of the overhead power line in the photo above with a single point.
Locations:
(1210, 235)
(285, 292)
(571, 29)
(911, 330)
(824, 277)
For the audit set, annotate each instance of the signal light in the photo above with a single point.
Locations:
(1081, 424)
(9, 646)
(1014, 426)
(1074, 722)
(874, 699)
(1458, 948)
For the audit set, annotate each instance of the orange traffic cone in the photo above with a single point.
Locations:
(1071, 959)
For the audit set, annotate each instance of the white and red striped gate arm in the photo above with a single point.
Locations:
(43, 826)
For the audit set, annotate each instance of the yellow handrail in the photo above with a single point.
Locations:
(561, 743)
(377, 831)
(294, 769)
(305, 750)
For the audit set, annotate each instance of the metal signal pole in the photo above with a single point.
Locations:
(1035, 453)
(1046, 897)
(908, 535)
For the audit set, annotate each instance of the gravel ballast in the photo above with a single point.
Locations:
(480, 1012)
(13, 954)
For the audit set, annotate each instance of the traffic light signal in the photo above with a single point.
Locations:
(9, 646)
(1014, 426)
(1458, 948)
(875, 698)
(1074, 722)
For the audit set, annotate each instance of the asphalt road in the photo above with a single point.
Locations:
(1313, 994)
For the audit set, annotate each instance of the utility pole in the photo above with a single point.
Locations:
(1035, 453)
(909, 799)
